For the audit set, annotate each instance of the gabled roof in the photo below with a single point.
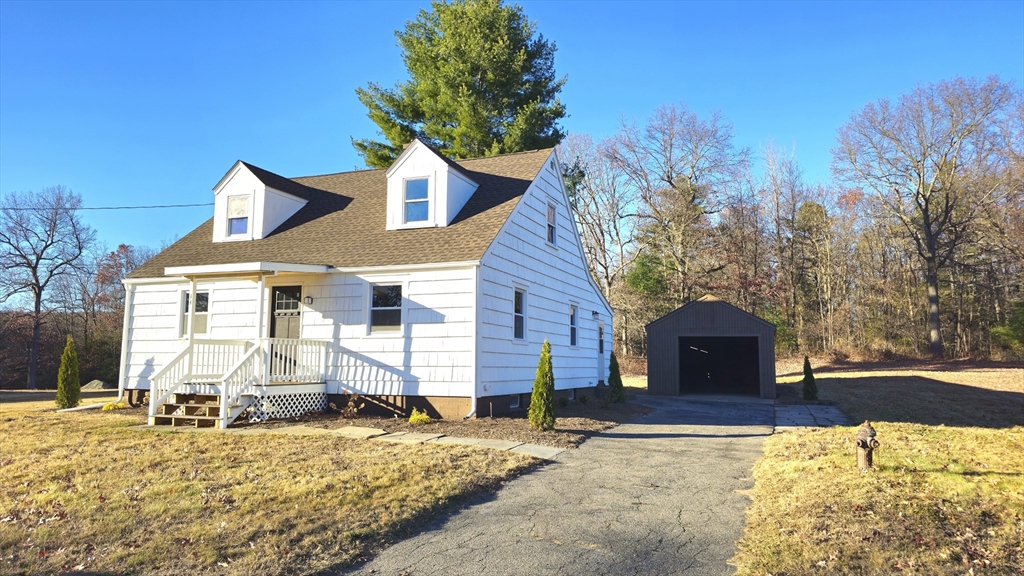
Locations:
(343, 222)
(710, 300)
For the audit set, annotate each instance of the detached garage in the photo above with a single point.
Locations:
(711, 347)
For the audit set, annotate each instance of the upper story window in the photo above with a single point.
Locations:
(552, 234)
(201, 314)
(573, 314)
(238, 215)
(417, 205)
(386, 308)
(519, 315)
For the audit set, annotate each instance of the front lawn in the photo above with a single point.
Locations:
(87, 491)
(946, 495)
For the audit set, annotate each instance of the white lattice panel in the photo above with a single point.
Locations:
(286, 405)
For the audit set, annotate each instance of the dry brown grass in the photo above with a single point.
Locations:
(87, 491)
(946, 495)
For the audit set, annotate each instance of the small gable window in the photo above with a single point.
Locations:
(386, 308)
(552, 235)
(238, 215)
(416, 203)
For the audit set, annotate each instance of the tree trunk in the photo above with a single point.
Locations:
(33, 351)
(934, 327)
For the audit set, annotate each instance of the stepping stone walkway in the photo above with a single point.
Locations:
(360, 433)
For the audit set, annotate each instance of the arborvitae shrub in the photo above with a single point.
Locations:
(542, 401)
(615, 391)
(810, 388)
(69, 388)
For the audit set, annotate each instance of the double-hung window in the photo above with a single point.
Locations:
(386, 308)
(573, 314)
(600, 338)
(238, 215)
(519, 315)
(417, 204)
(552, 231)
(201, 314)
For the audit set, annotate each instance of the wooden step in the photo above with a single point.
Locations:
(197, 399)
(180, 420)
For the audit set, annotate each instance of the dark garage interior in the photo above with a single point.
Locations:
(719, 365)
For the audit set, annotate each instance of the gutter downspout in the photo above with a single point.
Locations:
(122, 375)
(476, 340)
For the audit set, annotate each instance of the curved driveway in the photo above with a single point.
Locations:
(658, 495)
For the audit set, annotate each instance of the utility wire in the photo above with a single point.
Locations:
(119, 207)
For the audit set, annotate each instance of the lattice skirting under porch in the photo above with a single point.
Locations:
(273, 406)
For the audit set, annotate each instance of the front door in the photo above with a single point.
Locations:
(284, 323)
(284, 320)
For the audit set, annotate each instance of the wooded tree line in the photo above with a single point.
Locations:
(915, 247)
(56, 280)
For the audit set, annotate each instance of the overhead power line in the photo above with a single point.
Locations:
(121, 207)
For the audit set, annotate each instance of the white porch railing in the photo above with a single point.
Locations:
(295, 360)
(236, 367)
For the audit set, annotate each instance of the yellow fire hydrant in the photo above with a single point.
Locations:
(866, 443)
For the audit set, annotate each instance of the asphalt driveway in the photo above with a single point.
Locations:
(659, 495)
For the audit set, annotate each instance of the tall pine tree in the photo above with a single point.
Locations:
(481, 82)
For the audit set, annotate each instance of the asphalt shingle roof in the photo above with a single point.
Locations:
(343, 222)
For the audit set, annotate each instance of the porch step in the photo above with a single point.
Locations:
(180, 420)
(198, 410)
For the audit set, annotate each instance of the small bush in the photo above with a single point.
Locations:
(810, 388)
(563, 402)
(417, 417)
(113, 406)
(583, 399)
(542, 401)
(350, 410)
(69, 387)
(615, 391)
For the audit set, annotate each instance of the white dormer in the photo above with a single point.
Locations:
(425, 190)
(246, 207)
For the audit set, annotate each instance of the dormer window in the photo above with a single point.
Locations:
(238, 215)
(417, 204)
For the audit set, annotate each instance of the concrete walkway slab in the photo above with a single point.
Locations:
(457, 440)
(658, 495)
(358, 432)
(499, 444)
(408, 437)
(542, 452)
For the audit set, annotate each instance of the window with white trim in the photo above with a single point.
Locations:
(238, 215)
(573, 314)
(201, 315)
(386, 308)
(600, 338)
(417, 203)
(552, 231)
(519, 314)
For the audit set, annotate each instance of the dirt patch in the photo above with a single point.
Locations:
(573, 424)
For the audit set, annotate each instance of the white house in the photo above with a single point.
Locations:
(430, 284)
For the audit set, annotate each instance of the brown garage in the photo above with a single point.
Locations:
(710, 346)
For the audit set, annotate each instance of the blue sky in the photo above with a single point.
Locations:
(137, 103)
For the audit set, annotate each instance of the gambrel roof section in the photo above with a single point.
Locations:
(343, 222)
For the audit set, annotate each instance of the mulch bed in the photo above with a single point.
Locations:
(573, 424)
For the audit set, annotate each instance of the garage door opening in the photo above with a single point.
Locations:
(719, 365)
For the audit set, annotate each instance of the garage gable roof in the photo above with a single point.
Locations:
(710, 300)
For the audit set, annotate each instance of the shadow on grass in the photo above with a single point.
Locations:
(433, 519)
(920, 400)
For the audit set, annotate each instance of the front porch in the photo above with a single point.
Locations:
(213, 382)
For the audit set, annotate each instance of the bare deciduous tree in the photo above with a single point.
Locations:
(923, 158)
(42, 238)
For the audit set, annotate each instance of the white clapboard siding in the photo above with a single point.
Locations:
(553, 278)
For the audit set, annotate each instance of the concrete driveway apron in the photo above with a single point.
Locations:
(658, 495)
